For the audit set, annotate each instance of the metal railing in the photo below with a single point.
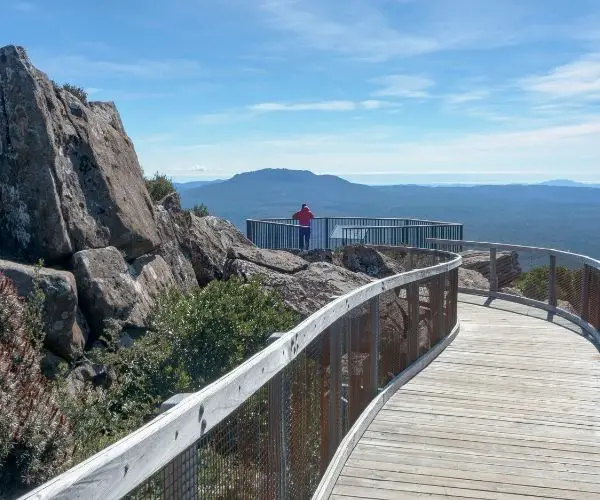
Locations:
(269, 428)
(563, 283)
(337, 232)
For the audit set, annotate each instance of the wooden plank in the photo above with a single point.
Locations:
(493, 484)
(509, 410)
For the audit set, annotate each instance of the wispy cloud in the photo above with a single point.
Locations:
(349, 28)
(80, 66)
(470, 96)
(412, 86)
(267, 107)
(578, 79)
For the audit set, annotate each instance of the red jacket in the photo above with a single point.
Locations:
(304, 216)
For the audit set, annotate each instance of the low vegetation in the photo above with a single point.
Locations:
(195, 337)
(78, 92)
(160, 186)
(36, 439)
(200, 210)
(535, 284)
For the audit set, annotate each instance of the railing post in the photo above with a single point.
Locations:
(413, 319)
(335, 384)
(327, 242)
(552, 282)
(375, 333)
(585, 290)
(278, 439)
(493, 272)
(324, 403)
(436, 304)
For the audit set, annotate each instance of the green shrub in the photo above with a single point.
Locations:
(35, 436)
(535, 284)
(200, 210)
(212, 329)
(195, 338)
(78, 92)
(159, 186)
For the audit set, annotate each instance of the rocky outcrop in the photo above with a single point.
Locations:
(113, 290)
(368, 260)
(275, 260)
(94, 374)
(467, 278)
(69, 176)
(315, 255)
(206, 241)
(508, 268)
(306, 290)
(65, 328)
(171, 249)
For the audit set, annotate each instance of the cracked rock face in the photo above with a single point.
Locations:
(69, 175)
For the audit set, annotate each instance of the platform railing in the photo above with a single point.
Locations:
(336, 232)
(562, 283)
(270, 428)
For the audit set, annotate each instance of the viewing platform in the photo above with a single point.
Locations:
(335, 232)
(423, 384)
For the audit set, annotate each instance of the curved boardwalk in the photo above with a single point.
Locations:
(511, 409)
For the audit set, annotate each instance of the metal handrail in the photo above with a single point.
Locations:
(117, 470)
(591, 326)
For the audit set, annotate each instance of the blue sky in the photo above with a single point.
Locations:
(373, 90)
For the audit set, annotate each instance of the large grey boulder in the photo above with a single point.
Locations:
(368, 260)
(276, 260)
(171, 250)
(66, 329)
(110, 289)
(508, 268)
(467, 278)
(69, 175)
(315, 255)
(206, 241)
(305, 291)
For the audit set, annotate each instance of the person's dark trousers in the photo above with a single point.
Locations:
(304, 238)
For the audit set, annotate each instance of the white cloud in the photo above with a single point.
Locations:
(380, 30)
(470, 96)
(412, 86)
(350, 28)
(266, 107)
(580, 78)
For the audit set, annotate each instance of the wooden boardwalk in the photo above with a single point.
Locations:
(511, 409)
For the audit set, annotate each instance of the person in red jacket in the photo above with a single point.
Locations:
(304, 217)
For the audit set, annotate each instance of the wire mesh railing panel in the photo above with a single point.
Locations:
(233, 461)
(393, 325)
(591, 299)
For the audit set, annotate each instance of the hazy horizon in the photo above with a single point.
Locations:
(422, 179)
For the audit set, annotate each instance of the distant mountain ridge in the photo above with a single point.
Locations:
(180, 186)
(568, 183)
(542, 215)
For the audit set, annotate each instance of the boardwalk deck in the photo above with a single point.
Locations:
(511, 409)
